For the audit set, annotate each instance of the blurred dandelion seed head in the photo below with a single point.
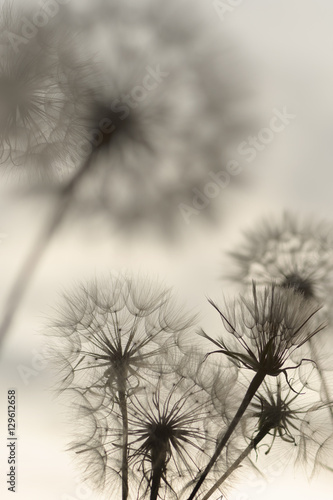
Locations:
(293, 252)
(32, 101)
(161, 108)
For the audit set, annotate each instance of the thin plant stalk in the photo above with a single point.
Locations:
(252, 446)
(31, 262)
(250, 393)
(124, 416)
(158, 458)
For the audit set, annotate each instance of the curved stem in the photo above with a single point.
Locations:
(231, 469)
(253, 387)
(253, 444)
(30, 264)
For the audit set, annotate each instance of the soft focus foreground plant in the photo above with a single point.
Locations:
(126, 95)
(114, 137)
(266, 327)
(33, 102)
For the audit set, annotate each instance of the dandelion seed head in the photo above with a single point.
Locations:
(299, 284)
(152, 114)
(33, 105)
(110, 332)
(140, 115)
(298, 420)
(266, 327)
(293, 252)
(172, 428)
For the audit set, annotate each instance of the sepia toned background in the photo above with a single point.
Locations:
(286, 49)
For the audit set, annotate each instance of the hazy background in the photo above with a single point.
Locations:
(289, 44)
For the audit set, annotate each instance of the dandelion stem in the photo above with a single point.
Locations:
(30, 264)
(124, 464)
(124, 415)
(253, 444)
(158, 465)
(253, 387)
(231, 469)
